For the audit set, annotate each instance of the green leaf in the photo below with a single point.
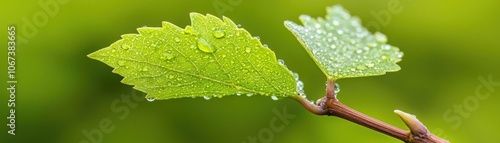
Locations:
(211, 58)
(342, 48)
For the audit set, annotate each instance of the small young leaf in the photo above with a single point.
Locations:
(211, 58)
(342, 48)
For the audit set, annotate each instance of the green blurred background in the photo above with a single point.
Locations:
(61, 93)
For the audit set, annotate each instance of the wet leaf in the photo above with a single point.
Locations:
(343, 48)
(211, 58)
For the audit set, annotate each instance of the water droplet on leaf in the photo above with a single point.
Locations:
(302, 94)
(189, 30)
(370, 65)
(300, 85)
(121, 63)
(371, 44)
(238, 87)
(219, 34)
(249, 94)
(317, 25)
(282, 62)
(360, 67)
(333, 46)
(151, 99)
(248, 49)
(340, 32)
(400, 55)
(381, 38)
(204, 46)
(296, 76)
(385, 57)
(177, 39)
(336, 22)
(337, 88)
(206, 97)
(167, 56)
(274, 97)
(125, 47)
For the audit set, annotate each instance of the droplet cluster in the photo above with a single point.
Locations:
(299, 84)
(343, 48)
(210, 59)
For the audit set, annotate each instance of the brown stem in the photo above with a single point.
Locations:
(318, 110)
(335, 108)
(329, 105)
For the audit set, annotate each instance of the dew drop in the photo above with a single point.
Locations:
(257, 37)
(337, 88)
(353, 41)
(370, 65)
(336, 23)
(333, 46)
(125, 47)
(189, 30)
(248, 49)
(302, 93)
(317, 25)
(360, 67)
(300, 85)
(340, 31)
(238, 25)
(387, 47)
(206, 97)
(274, 97)
(151, 99)
(238, 93)
(385, 57)
(281, 62)
(121, 63)
(177, 39)
(204, 46)
(238, 87)
(381, 38)
(359, 51)
(168, 56)
(249, 94)
(219, 34)
(296, 76)
(400, 55)
(372, 44)
(319, 31)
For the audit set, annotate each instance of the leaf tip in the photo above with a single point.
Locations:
(95, 55)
